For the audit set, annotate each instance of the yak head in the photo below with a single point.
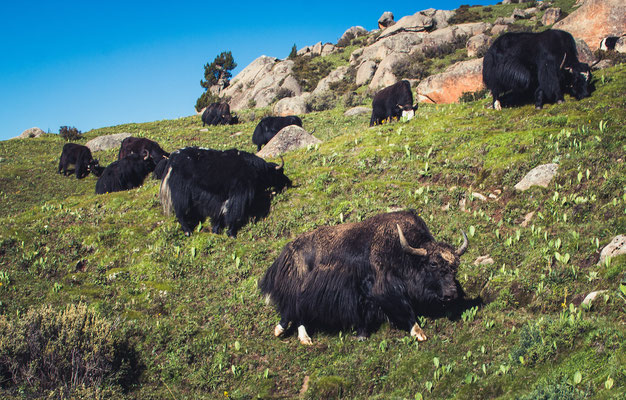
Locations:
(436, 264)
(276, 176)
(579, 80)
(408, 110)
(95, 168)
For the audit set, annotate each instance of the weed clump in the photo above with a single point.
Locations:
(62, 351)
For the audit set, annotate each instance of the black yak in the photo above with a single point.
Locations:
(357, 275)
(135, 145)
(270, 126)
(393, 102)
(542, 66)
(218, 114)
(79, 157)
(125, 174)
(228, 186)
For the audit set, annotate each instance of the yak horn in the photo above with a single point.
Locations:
(282, 164)
(563, 62)
(406, 247)
(459, 252)
(313, 131)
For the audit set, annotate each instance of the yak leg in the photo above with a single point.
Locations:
(280, 328)
(549, 84)
(303, 336)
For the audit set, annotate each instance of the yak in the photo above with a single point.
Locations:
(520, 66)
(270, 126)
(80, 158)
(358, 275)
(393, 102)
(229, 186)
(218, 114)
(135, 145)
(125, 174)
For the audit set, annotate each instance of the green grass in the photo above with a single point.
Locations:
(191, 309)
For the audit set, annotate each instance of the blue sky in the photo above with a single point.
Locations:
(92, 64)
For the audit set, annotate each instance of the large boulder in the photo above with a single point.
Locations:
(478, 45)
(399, 43)
(538, 176)
(617, 247)
(441, 17)
(335, 76)
(359, 110)
(352, 33)
(448, 86)
(595, 20)
(289, 138)
(30, 133)
(551, 16)
(107, 142)
(386, 20)
(291, 106)
(584, 53)
(365, 72)
(384, 75)
(259, 83)
(417, 22)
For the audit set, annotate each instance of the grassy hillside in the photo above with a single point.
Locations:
(182, 318)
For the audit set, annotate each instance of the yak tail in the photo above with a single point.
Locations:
(425, 95)
(165, 193)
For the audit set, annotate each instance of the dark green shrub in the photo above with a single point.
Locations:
(443, 49)
(205, 99)
(614, 56)
(353, 99)
(283, 92)
(466, 97)
(50, 350)
(70, 133)
(309, 70)
(346, 85)
(293, 53)
(464, 14)
(415, 66)
(322, 101)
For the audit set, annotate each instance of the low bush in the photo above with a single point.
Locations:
(309, 70)
(69, 133)
(464, 14)
(322, 101)
(415, 66)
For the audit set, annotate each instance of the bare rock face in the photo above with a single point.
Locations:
(30, 133)
(538, 176)
(386, 20)
(259, 82)
(384, 75)
(353, 32)
(441, 17)
(595, 20)
(335, 76)
(496, 30)
(365, 72)
(478, 45)
(584, 53)
(620, 46)
(291, 106)
(106, 142)
(551, 16)
(448, 86)
(289, 138)
(615, 248)
(417, 22)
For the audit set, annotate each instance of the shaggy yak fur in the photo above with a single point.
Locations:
(228, 186)
(125, 174)
(218, 114)
(270, 126)
(521, 66)
(134, 145)
(358, 275)
(79, 157)
(393, 102)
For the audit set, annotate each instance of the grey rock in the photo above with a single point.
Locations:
(357, 111)
(551, 16)
(30, 133)
(478, 45)
(365, 72)
(484, 260)
(498, 29)
(417, 22)
(620, 46)
(616, 248)
(289, 138)
(592, 296)
(107, 142)
(538, 176)
(384, 75)
(327, 49)
(352, 33)
(335, 76)
(584, 52)
(291, 106)
(386, 20)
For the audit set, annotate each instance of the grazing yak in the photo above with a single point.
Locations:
(393, 102)
(135, 145)
(521, 66)
(79, 157)
(228, 186)
(609, 43)
(125, 174)
(270, 126)
(218, 114)
(358, 275)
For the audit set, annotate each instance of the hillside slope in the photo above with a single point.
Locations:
(183, 316)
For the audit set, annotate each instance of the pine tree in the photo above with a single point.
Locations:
(216, 73)
(294, 52)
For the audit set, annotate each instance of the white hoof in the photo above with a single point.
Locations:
(497, 105)
(303, 336)
(278, 330)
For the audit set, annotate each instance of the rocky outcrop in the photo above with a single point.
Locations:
(617, 247)
(289, 138)
(417, 22)
(351, 33)
(584, 53)
(365, 72)
(538, 176)
(107, 142)
(478, 45)
(386, 20)
(551, 16)
(384, 75)
(30, 133)
(448, 86)
(360, 110)
(595, 20)
(292, 106)
(335, 76)
(259, 82)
